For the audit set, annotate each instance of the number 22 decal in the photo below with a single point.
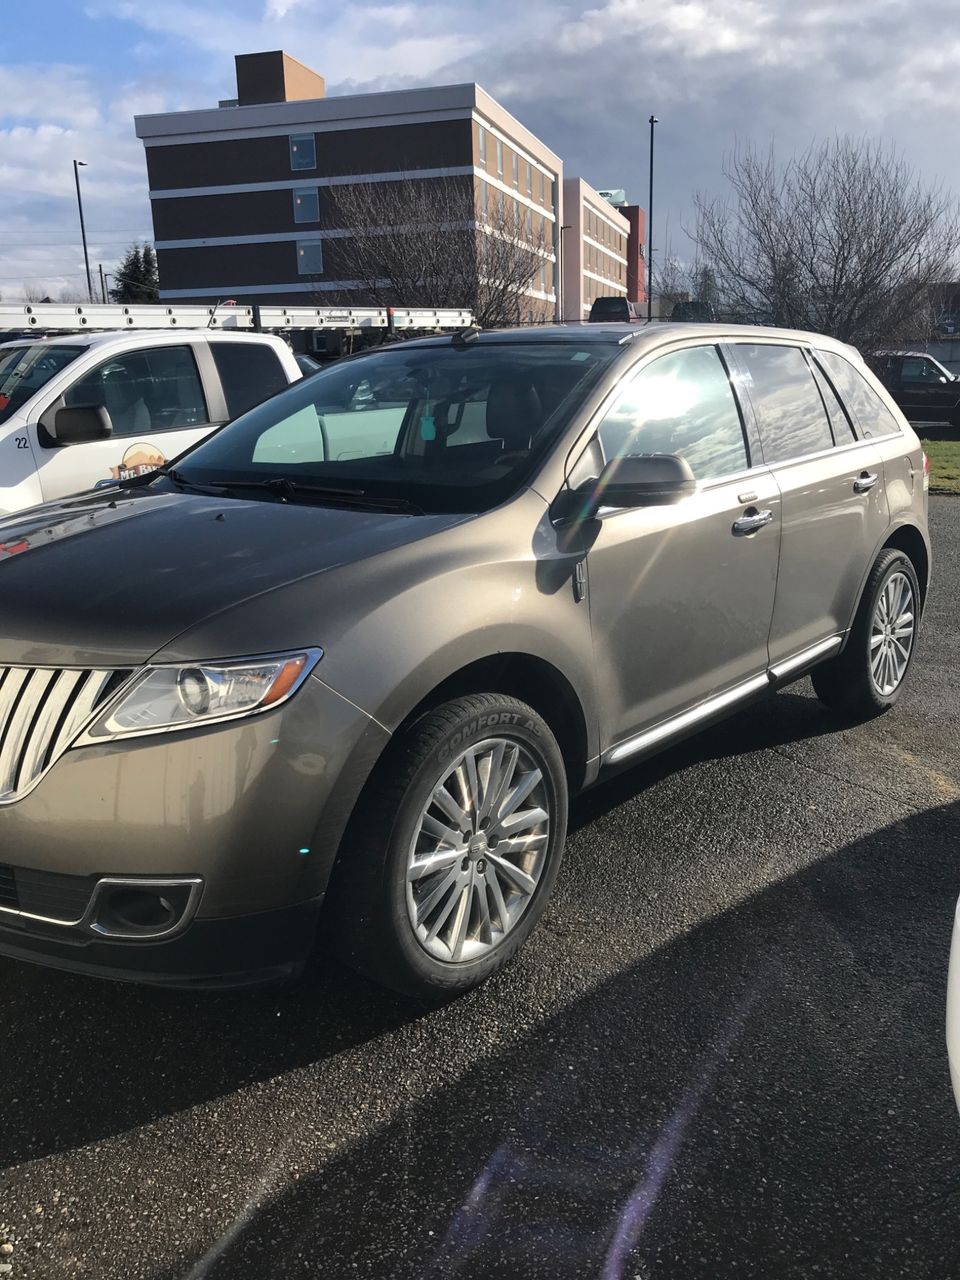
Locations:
(22, 442)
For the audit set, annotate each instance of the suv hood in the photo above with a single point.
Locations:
(109, 579)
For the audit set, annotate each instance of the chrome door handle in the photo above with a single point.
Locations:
(752, 521)
(865, 481)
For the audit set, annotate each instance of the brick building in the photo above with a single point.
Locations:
(243, 194)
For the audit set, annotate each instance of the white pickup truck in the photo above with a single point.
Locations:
(156, 394)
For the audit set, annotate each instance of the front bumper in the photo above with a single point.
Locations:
(241, 951)
(251, 811)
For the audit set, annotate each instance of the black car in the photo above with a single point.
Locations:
(924, 389)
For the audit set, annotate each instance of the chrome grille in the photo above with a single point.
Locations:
(8, 888)
(41, 711)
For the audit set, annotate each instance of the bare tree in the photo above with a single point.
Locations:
(34, 293)
(844, 239)
(426, 242)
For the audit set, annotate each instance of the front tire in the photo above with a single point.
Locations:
(454, 850)
(867, 678)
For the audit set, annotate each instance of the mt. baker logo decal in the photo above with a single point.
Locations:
(139, 460)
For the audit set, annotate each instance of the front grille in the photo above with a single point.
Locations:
(42, 709)
(52, 894)
(8, 888)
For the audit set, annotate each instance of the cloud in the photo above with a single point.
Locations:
(279, 8)
(585, 77)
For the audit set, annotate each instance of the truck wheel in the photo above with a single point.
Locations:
(867, 677)
(454, 850)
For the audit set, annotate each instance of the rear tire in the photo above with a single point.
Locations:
(454, 849)
(867, 678)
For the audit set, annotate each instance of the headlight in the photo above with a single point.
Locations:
(164, 698)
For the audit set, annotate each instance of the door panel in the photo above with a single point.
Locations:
(102, 462)
(680, 600)
(833, 495)
(829, 533)
(680, 604)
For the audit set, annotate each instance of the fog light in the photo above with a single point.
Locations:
(142, 909)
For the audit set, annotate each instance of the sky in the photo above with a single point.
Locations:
(585, 78)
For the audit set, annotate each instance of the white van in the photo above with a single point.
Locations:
(150, 396)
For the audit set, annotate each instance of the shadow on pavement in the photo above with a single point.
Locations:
(82, 1035)
(766, 1096)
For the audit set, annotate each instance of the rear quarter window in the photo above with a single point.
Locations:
(249, 373)
(870, 413)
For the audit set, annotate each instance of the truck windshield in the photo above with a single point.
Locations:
(31, 369)
(445, 427)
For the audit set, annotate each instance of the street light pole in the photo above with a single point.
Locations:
(77, 166)
(653, 123)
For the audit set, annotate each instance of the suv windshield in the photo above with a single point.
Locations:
(446, 427)
(34, 366)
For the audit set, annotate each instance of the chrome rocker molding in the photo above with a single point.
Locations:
(86, 922)
(712, 706)
(805, 656)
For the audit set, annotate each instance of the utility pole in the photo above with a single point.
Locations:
(77, 166)
(653, 123)
(103, 282)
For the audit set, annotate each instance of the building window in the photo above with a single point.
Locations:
(529, 178)
(541, 188)
(543, 278)
(529, 223)
(484, 199)
(310, 257)
(483, 145)
(516, 170)
(501, 206)
(499, 158)
(306, 204)
(303, 151)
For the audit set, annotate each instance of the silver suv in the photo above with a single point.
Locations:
(338, 669)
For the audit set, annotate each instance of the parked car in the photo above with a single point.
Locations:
(953, 1007)
(694, 309)
(924, 389)
(346, 661)
(159, 393)
(614, 309)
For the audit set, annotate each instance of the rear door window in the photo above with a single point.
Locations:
(249, 373)
(871, 414)
(792, 418)
(680, 403)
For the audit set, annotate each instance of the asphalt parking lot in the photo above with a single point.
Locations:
(721, 1055)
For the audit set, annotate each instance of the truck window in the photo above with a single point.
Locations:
(249, 371)
(22, 378)
(145, 390)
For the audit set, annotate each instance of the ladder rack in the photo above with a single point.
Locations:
(53, 317)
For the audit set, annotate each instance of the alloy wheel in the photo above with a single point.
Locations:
(478, 851)
(892, 633)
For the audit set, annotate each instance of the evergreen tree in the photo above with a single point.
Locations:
(136, 278)
(150, 278)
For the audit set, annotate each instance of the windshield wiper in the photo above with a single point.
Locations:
(286, 490)
(178, 478)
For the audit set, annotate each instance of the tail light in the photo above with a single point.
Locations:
(926, 473)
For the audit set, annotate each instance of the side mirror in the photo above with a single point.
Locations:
(81, 423)
(644, 480)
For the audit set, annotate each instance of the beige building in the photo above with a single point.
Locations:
(595, 242)
(241, 193)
